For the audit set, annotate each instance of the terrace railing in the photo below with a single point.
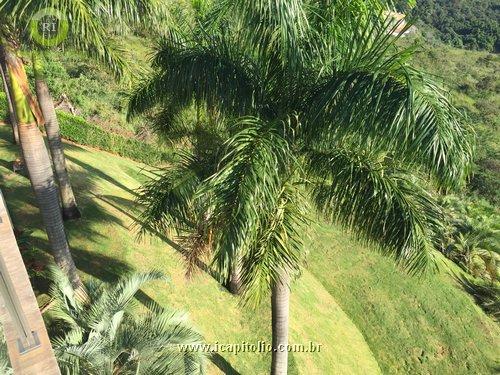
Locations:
(28, 343)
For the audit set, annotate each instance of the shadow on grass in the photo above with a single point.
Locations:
(100, 266)
(92, 171)
(223, 364)
(118, 203)
(25, 214)
(486, 296)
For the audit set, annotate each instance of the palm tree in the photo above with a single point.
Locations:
(97, 330)
(88, 34)
(70, 209)
(37, 161)
(8, 95)
(324, 104)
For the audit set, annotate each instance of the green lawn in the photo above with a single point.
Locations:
(104, 246)
(368, 316)
(412, 325)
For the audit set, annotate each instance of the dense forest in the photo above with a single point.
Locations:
(471, 24)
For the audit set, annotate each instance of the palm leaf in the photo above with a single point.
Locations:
(372, 195)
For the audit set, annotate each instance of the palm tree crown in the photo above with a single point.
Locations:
(334, 105)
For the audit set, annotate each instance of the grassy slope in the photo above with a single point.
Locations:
(411, 327)
(104, 246)
(419, 327)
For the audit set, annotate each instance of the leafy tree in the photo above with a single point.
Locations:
(322, 103)
(97, 331)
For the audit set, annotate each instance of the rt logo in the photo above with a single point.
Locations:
(48, 27)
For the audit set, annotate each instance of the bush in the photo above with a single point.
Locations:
(77, 130)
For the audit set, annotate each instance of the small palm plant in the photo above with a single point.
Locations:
(97, 330)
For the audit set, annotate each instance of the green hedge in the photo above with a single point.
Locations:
(77, 130)
(3, 106)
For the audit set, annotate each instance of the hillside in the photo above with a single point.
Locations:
(471, 24)
(368, 316)
(412, 325)
(104, 246)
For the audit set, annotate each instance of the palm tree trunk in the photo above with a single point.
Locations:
(235, 278)
(8, 95)
(69, 207)
(39, 168)
(280, 308)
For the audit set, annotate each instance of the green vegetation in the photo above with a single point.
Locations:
(97, 331)
(273, 144)
(78, 130)
(471, 24)
(105, 247)
(473, 79)
(93, 91)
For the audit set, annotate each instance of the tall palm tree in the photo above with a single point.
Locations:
(70, 209)
(88, 33)
(98, 331)
(88, 19)
(324, 104)
(8, 95)
(38, 164)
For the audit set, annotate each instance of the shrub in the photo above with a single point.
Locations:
(77, 130)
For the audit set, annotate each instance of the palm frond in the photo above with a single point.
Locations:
(209, 69)
(378, 200)
(131, 12)
(273, 27)
(371, 93)
(114, 339)
(168, 200)
(247, 185)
